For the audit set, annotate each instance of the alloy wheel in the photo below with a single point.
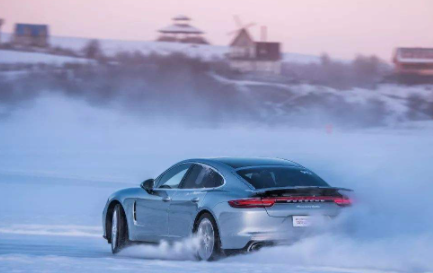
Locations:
(206, 235)
(114, 231)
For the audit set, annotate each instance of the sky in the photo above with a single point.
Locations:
(341, 28)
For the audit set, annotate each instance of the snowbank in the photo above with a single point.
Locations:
(18, 57)
(392, 101)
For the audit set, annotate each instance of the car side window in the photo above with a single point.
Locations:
(172, 178)
(200, 177)
(213, 179)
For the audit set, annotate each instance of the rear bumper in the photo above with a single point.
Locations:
(239, 228)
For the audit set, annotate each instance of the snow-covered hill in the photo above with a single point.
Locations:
(19, 57)
(207, 52)
(387, 105)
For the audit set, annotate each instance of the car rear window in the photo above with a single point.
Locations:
(275, 177)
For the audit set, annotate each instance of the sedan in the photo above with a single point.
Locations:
(229, 204)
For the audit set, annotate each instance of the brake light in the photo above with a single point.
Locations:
(269, 202)
(252, 203)
(343, 201)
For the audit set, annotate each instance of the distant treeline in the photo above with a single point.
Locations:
(363, 71)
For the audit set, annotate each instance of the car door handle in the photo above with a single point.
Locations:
(195, 200)
(166, 199)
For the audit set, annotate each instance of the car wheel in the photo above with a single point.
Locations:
(209, 248)
(119, 230)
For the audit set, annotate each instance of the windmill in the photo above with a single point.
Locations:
(241, 27)
(1, 23)
(246, 55)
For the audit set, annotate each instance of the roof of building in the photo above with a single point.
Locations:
(33, 29)
(237, 162)
(181, 18)
(194, 40)
(187, 40)
(181, 28)
(413, 55)
(242, 38)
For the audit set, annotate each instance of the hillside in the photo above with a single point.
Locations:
(207, 52)
(19, 57)
(171, 85)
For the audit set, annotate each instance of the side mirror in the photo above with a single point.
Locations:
(148, 184)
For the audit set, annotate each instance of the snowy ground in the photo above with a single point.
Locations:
(60, 159)
(18, 57)
(395, 98)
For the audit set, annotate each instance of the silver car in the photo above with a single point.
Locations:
(231, 204)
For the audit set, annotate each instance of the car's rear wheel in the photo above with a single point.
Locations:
(119, 230)
(209, 241)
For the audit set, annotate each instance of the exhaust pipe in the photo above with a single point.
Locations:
(254, 246)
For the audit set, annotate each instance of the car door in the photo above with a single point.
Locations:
(185, 203)
(151, 210)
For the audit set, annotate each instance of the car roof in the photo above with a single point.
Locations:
(244, 162)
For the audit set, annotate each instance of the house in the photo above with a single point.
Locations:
(30, 35)
(246, 55)
(413, 61)
(181, 31)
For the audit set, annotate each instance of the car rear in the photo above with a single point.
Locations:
(287, 203)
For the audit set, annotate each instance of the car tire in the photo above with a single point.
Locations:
(119, 230)
(207, 232)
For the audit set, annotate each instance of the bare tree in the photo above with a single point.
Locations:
(93, 50)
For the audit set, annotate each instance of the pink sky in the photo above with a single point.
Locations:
(343, 28)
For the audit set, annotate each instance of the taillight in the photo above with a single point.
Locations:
(269, 202)
(252, 203)
(344, 201)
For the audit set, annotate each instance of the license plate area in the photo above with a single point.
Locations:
(302, 221)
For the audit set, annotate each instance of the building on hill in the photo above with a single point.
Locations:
(181, 31)
(413, 61)
(30, 35)
(246, 55)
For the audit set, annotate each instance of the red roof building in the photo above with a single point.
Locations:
(414, 61)
(246, 55)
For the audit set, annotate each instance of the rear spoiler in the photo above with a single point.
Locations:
(300, 188)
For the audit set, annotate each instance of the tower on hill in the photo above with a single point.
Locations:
(181, 31)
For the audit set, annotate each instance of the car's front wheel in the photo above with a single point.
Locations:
(119, 230)
(209, 241)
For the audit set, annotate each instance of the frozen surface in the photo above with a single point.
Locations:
(60, 159)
